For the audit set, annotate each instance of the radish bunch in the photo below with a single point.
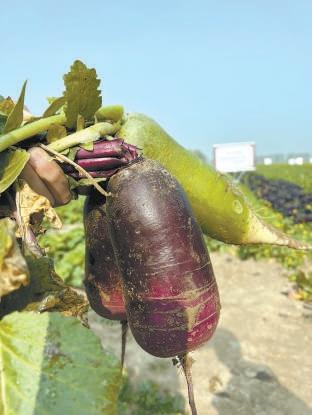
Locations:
(147, 263)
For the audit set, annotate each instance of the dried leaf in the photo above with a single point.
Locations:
(55, 132)
(15, 117)
(33, 208)
(82, 94)
(46, 291)
(13, 268)
(12, 163)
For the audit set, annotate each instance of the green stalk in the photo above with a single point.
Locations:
(16, 136)
(86, 135)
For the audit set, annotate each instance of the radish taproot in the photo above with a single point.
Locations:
(170, 292)
(220, 208)
(102, 277)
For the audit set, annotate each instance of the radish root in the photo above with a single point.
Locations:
(124, 331)
(186, 363)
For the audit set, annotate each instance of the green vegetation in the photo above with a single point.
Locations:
(147, 398)
(66, 246)
(301, 175)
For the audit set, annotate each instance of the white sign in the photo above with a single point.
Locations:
(234, 157)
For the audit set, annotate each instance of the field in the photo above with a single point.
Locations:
(301, 175)
(67, 249)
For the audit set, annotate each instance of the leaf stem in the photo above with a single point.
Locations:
(80, 169)
(92, 133)
(29, 130)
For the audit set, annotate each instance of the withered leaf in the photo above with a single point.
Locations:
(13, 268)
(46, 291)
(33, 208)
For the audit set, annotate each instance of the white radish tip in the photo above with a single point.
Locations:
(262, 233)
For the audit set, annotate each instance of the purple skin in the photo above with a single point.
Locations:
(104, 160)
(102, 277)
(112, 148)
(102, 163)
(171, 295)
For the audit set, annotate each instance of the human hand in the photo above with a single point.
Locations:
(46, 177)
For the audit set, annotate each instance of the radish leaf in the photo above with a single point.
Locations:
(45, 292)
(13, 267)
(53, 365)
(82, 94)
(55, 132)
(54, 106)
(6, 106)
(15, 117)
(12, 163)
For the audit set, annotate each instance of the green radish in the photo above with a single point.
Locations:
(221, 209)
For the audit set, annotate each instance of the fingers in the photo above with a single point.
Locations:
(51, 174)
(37, 185)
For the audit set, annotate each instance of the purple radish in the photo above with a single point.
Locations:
(102, 277)
(170, 292)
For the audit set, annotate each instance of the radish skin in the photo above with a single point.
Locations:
(102, 277)
(170, 292)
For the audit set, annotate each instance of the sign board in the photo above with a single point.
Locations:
(234, 157)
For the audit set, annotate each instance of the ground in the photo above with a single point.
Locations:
(259, 362)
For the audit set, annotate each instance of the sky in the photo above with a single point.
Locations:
(208, 71)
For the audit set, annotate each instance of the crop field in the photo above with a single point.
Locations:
(300, 175)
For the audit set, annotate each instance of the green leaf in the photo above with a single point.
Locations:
(15, 117)
(3, 119)
(6, 106)
(81, 93)
(55, 132)
(80, 123)
(54, 106)
(12, 163)
(71, 152)
(87, 146)
(51, 365)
